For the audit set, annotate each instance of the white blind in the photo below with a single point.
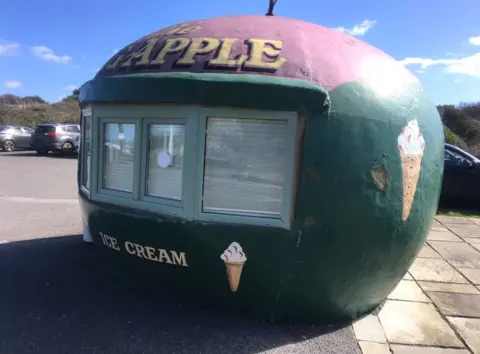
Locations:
(244, 168)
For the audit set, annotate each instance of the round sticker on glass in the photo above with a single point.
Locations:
(163, 159)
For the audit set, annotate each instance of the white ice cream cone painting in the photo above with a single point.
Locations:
(234, 259)
(411, 146)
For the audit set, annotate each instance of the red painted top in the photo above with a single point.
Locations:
(294, 49)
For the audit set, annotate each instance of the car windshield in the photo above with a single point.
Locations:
(4, 129)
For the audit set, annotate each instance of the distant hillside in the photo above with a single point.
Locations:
(461, 123)
(31, 110)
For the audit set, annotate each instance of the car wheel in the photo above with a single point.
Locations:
(41, 152)
(9, 146)
(67, 147)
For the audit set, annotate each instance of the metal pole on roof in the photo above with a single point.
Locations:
(271, 5)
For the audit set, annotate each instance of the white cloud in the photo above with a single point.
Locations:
(46, 53)
(474, 40)
(358, 30)
(469, 65)
(71, 87)
(9, 48)
(12, 84)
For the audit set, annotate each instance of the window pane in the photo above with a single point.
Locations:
(86, 150)
(119, 150)
(244, 169)
(165, 162)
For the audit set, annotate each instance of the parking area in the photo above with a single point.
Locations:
(56, 297)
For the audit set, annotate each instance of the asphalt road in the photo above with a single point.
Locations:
(56, 297)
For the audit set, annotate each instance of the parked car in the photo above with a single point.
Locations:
(15, 137)
(461, 177)
(63, 138)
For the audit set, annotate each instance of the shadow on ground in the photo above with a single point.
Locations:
(56, 298)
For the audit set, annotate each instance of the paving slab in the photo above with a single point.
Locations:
(408, 349)
(407, 276)
(369, 329)
(451, 304)
(471, 230)
(408, 290)
(476, 245)
(374, 348)
(416, 323)
(443, 236)
(427, 252)
(436, 223)
(448, 288)
(475, 220)
(453, 220)
(465, 264)
(471, 240)
(471, 274)
(429, 269)
(469, 330)
(439, 228)
(455, 250)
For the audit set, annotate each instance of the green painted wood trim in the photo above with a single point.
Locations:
(234, 90)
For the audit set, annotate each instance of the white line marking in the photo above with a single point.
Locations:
(39, 200)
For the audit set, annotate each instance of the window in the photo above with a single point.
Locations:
(166, 146)
(227, 165)
(73, 129)
(86, 147)
(45, 129)
(119, 154)
(27, 130)
(244, 170)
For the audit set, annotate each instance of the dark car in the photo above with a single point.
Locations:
(15, 137)
(56, 137)
(461, 177)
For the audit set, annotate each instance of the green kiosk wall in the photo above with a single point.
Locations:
(259, 164)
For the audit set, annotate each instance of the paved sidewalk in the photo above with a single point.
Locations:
(435, 309)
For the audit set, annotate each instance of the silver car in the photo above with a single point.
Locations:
(63, 138)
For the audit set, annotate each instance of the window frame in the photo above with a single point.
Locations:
(291, 118)
(101, 190)
(86, 112)
(195, 120)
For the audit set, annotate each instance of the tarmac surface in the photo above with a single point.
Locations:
(57, 297)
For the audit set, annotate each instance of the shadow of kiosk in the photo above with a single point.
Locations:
(260, 164)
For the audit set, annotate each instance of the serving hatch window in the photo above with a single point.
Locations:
(226, 165)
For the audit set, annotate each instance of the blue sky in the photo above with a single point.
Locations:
(49, 47)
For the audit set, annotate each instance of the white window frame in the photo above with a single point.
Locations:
(195, 120)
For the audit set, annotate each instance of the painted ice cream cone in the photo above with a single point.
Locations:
(234, 259)
(411, 146)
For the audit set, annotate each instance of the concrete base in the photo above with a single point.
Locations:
(86, 235)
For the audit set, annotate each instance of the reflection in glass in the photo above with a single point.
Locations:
(244, 169)
(86, 148)
(119, 150)
(165, 162)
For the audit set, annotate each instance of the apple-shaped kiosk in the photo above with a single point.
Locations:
(260, 164)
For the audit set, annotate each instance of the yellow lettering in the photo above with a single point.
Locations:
(128, 244)
(271, 49)
(186, 29)
(112, 63)
(140, 251)
(179, 258)
(143, 54)
(171, 45)
(164, 255)
(151, 253)
(223, 56)
(198, 46)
